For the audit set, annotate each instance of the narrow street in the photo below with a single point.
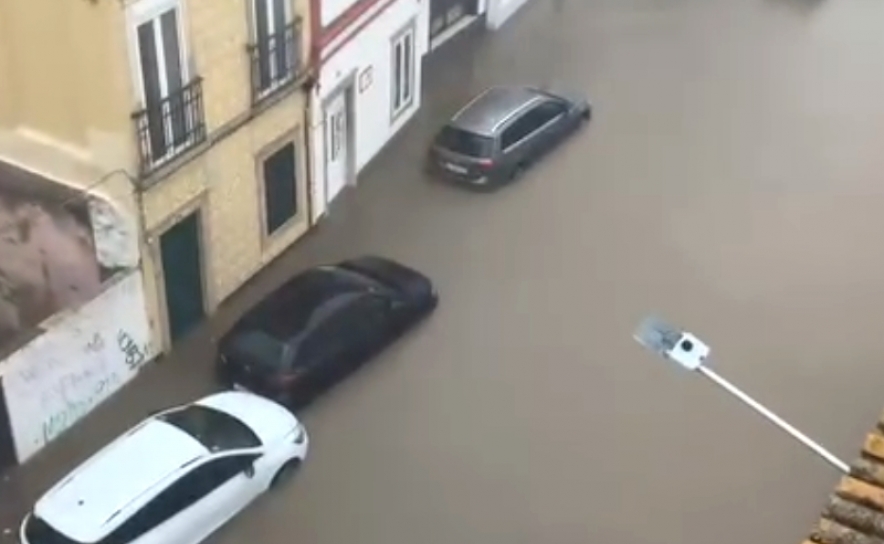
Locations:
(731, 180)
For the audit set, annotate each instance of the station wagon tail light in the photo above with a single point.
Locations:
(485, 163)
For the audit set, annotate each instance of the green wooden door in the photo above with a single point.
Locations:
(182, 274)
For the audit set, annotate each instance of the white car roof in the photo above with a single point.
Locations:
(90, 502)
(83, 505)
(267, 419)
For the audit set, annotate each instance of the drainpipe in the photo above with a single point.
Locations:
(309, 87)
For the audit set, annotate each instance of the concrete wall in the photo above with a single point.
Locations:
(87, 355)
(366, 52)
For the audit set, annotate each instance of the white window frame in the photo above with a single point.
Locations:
(271, 30)
(150, 11)
(402, 98)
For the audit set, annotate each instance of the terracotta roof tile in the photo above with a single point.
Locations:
(854, 513)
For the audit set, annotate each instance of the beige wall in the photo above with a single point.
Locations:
(68, 94)
(224, 181)
(224, 184)
(65, 74)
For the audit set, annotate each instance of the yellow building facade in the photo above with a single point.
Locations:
(187, 116)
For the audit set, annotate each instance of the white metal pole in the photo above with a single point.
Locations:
(775, 419)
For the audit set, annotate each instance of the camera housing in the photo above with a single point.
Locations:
(690, 352)
(672, 343)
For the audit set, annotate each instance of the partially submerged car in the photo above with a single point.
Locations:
(176, 477)
(322, 325)
(501, 132)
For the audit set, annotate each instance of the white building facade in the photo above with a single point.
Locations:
(450, 17)
(368, 86)
(498, 11)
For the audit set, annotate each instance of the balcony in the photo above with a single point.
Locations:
(170, 126)
(275, 61)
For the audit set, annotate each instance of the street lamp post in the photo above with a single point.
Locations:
(691, 353)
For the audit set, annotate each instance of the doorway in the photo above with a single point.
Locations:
(181, 256)
(447, 14)
(337, 143)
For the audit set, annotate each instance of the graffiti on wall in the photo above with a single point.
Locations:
(65, 373)
(51, 260)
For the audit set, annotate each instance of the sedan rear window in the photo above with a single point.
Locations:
(259, 349)
(465, 143)
(215, 430)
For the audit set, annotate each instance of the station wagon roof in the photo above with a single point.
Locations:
(85, 506)
(485, 113)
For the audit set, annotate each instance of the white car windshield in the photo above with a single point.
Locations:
(214, 429)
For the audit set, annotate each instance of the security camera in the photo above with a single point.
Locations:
(672, 343)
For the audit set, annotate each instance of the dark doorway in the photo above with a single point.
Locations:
(7, 446)
(446, 13)
(182, 273)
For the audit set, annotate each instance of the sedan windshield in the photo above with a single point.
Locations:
(465, 143)
(214, 429)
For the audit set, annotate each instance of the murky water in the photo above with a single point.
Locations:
(731, 180)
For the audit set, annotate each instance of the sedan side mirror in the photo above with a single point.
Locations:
(249, 471)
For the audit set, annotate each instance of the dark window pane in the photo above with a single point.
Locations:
(407, 55)
(150, 77)
(38, 531)
(280, 45)
(397, 77)
(259, 349)
(262, 39)
(280, 188)
(216, 430)
(178, 121)
(519, 129)
(465, 143)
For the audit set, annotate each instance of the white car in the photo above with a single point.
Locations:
(175, 478)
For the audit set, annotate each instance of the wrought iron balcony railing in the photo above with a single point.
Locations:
(170, 126)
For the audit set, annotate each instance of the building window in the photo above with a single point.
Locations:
(275, 52)
(403, 71)
(171, 119)
(280, 188)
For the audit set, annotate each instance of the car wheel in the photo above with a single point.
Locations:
(517, 172)
(285, 473)
(586, 114)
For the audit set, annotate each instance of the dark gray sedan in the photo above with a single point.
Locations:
(501, 132)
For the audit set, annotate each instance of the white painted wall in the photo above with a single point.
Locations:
(370, 50)
(83, 358)
(501, 10)
(329, 10)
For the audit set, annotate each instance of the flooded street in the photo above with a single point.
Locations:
(731, 180)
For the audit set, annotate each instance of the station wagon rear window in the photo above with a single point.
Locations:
(215, 430)
(465, 143)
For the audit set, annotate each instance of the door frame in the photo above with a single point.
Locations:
(197, 205)
(348, 87)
